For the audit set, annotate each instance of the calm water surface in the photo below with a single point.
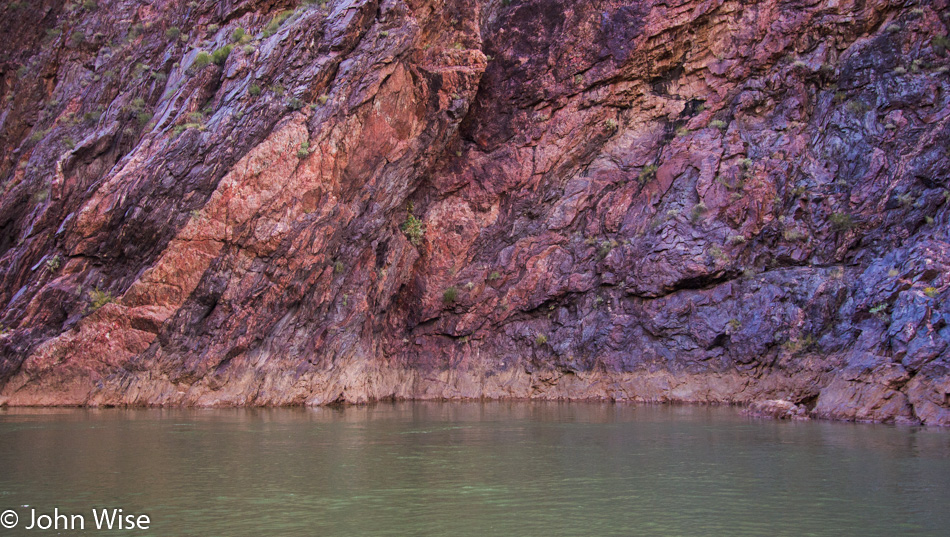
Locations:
(454, 469)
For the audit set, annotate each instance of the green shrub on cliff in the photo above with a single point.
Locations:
(697, 212)
(413, 227)
(275, 23)
(841, 221)
(220, 55)
(99, 298)
(646, 174)
(53, 263)
(450, 295)
(304, 150)
(201, 60)
(940, 44)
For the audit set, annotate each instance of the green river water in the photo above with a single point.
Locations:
(472, 469)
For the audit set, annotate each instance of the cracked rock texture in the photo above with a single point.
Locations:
(256, 202)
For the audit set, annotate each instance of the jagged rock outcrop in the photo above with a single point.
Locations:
(254, 202)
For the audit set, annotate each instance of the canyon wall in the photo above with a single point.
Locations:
(258, 202)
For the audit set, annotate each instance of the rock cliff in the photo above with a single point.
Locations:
(262, 202)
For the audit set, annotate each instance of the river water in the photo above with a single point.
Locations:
(473, 469)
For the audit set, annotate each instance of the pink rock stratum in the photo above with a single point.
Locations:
(263, 203)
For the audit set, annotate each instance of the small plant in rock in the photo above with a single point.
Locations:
(276, 22)
(880, 309)
(338, 267)
(202, 59)
(718, 254)
(605, 248)
(540, 340)
(905, 199)
(323, 99)
(610, 124)
(697, 212)
(494, 276)
(413, 227)
(842, 222)
(794, 235)
(39, 135)
(857, 107)
(99, 298)
(304, 150)
(53, 263)
(734, 325)
(647, 173)
(450, 295)
(294, 103)
(940, 44)
(220, 55)
(718, 124)
(173, 33)
(254, 90)
(931, 292)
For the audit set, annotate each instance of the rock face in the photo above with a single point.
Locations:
(254, 202)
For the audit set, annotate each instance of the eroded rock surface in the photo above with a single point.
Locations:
(254, 203)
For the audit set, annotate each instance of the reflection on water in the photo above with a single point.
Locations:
(518, 469)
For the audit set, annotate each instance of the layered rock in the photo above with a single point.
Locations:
(721, 202)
